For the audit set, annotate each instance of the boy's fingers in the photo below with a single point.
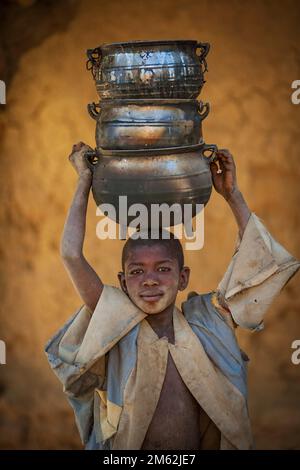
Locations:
(226, 160)
(227, 163)
(225, 156)
(214, 169)
(79, 146)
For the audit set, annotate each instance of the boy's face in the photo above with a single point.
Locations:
(152, 278)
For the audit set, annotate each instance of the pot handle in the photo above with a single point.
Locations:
(92, 158)
(203, 106)
(94, 59)
(93, 110)
(213, 149)
(204, 46)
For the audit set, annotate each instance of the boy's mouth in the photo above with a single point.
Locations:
(151, 296)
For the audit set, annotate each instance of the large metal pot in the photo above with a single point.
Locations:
(142, 124)
(151, 177)
(149, 69)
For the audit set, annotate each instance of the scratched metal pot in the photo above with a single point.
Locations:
(149, 69)
(152, 177)
(142, 124)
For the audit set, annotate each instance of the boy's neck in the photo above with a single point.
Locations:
(162, 323)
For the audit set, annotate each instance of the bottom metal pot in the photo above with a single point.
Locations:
(152, 177)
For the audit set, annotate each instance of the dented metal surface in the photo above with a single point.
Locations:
(149, 144)
(138, 124)
(154, 69)
(154, 177)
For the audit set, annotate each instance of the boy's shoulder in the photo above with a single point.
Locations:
(206, 309)
(114, 316)
(202, 310)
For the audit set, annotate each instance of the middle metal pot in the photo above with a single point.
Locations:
(147, 124)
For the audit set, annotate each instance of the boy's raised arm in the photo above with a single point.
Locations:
(260, 266)
(85, 279)
(225, 183)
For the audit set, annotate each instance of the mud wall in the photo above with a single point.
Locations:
(255, 56)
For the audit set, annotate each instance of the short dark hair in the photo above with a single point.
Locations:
(172, 244)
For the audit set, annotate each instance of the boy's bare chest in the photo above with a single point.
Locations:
(175, 423)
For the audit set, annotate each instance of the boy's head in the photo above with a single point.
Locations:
(153, 272)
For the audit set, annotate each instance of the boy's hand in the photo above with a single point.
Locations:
(224, 178)
(78, 160)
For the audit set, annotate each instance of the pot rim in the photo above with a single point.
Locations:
(146, 101)
(149, 42)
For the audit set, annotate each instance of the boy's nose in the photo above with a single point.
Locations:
(150, 282)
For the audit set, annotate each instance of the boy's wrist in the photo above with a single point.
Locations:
(85, 178)
(235, 197)
(85, 174)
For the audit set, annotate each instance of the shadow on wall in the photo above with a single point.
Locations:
(25, 24)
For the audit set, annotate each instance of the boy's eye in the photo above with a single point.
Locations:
(164, 269)
(160, 269)
(136, 271)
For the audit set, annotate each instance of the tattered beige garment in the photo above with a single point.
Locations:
(222, 402)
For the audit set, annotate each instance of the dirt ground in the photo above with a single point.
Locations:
(254, 58)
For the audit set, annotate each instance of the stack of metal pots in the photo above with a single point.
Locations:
(149, 142)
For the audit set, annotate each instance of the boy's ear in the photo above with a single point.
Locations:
(184, 277)
(121, 277)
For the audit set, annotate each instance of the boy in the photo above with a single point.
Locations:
(138, 372)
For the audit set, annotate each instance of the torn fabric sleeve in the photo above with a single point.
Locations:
(259, 269)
